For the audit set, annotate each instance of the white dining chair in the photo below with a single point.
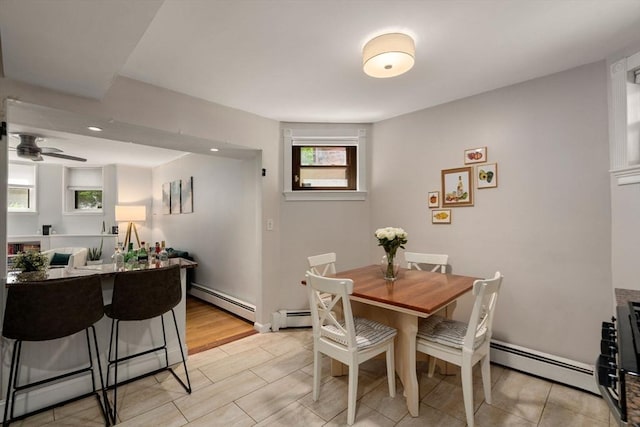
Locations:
(350, 340)
(464, 344)
(437, 261)
(323, 264)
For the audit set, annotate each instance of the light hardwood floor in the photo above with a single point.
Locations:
(209, 327)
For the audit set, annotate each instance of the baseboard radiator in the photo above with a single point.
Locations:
(231, 304)
(290, 319)
(565, 371)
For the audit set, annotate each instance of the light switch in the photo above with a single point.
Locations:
(269, 224)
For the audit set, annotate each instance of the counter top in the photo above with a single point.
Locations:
(105, 270)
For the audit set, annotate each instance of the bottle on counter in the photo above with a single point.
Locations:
(118, 258)
(143, 255)
(164, 255)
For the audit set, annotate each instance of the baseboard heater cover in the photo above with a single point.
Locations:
(290, 319)
(231, 304)
(555, 368)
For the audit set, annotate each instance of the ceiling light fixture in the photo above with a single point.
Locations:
(388, 55)
(213, 149)
(94, 128)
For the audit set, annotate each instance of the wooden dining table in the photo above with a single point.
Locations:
(413, 295)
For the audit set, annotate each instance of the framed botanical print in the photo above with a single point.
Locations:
(434, 199)
(457, 187)
(475, 155)
(487, 175)
(441, 216)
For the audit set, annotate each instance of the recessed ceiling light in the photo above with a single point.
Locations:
(213, 149)
(94, 128)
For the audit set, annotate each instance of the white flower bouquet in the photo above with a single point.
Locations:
(391, 238)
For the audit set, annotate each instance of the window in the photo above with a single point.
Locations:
(324, 164)
(83, 189)
(324, 167)
(21, 188)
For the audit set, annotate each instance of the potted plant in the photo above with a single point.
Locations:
(32, 265)
(94, 256)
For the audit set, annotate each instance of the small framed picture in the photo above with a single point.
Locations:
(434, 199)
(166, 198)
(487, 175)
(457, 187)
(441, 216)
(475, 155)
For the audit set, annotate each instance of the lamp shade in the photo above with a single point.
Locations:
(131, 213)
(388, 55)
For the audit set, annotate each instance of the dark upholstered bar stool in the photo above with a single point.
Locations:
(143, 295)
(48, 310)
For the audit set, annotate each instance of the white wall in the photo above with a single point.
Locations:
(222, 233)
(141, 104)
(547, 225)
(316, 227)
(49, 206)
(134, 188)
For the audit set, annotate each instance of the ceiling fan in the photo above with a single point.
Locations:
(28, 149)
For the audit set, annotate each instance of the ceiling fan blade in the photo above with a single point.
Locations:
(48, 150)
(65, 156)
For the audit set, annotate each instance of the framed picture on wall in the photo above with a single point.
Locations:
(475, 155)
(187, 195)
(457, 187)
(434, 199)
(441, 216)
(166, 198)
(175, 196)
(487, 175)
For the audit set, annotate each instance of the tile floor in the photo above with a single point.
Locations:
(266, 380)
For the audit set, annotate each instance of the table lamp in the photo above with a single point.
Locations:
(131, 214)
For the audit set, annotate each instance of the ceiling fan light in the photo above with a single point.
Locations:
(388, 55)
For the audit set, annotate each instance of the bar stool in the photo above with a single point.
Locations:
(48, 310)
(143, 295)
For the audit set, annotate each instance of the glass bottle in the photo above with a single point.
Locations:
(164, 255)
(118, 258)
(143, 255)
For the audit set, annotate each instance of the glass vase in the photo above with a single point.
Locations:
(389, 267)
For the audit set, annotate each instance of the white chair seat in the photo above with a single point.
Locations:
(368, 333)
(464, 344)
(447, 332)
(346, 339)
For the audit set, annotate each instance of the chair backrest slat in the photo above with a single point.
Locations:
(437, 261)
(326, 324)
(322, 265)
(481, 320)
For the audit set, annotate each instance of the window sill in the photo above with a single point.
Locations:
(324, 195)
(628, 175)
(100, 212)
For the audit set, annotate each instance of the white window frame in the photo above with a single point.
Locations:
(33, 187)
(69, 189)
(293, 137)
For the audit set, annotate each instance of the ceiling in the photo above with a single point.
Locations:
(301, 60)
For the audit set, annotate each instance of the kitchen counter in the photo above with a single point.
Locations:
(48, 358)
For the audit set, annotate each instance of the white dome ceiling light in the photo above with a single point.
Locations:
(388, 55)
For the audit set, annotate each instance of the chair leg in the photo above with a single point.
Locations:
(486, 378)
(432, 366)
(114, 413)
(391, 370)
(317, 372)
(184, 361)
(105, 408)
(352, 393)
(467, 391)
(13, 374)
